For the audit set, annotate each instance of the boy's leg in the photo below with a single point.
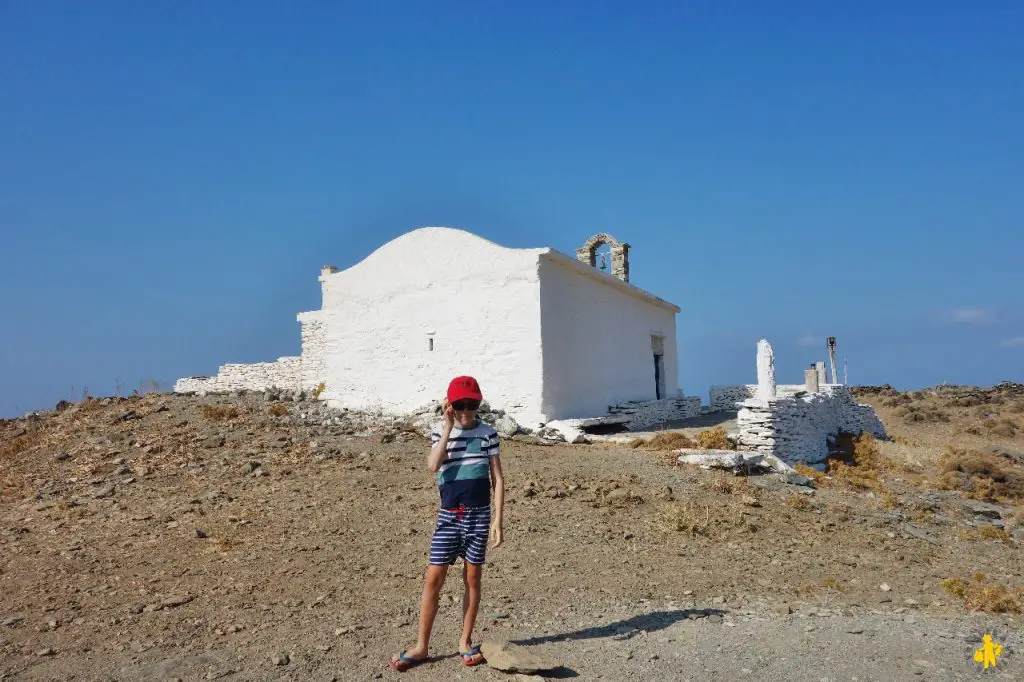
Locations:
(432, 584)
(470, 605)
(433, 581)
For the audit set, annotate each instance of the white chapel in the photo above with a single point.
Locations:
(549, 336)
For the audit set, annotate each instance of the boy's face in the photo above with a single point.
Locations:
(465, 412)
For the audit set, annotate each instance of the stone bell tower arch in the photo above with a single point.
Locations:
(619, 253)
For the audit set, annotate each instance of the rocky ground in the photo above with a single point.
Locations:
(254, 537)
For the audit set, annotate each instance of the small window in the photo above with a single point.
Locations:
(430, 343)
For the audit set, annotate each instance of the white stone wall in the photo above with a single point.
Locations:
(314, 349)
(597, 345)
(643, 415)
(285, 373)
(797, 428)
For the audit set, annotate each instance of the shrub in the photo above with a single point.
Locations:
(863, 465)
(277, 410)
(979, 595)
(1004, 428)
(980, 475)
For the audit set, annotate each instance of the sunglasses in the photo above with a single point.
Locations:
(465, 405)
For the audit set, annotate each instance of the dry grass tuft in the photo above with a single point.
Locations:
(863, 468)
(686, 518)
(277, 410)
(723, 484)
(979, 595)
(917, 414)
(20, 444)
(990, 532)
(799, 502)
(714, 439)
(710, 521)
(980, 476)
(220, 413)
(809, 471)
(669, 440)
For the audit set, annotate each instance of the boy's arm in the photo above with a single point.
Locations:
(439, 451)
(498, 484)
(440, 448)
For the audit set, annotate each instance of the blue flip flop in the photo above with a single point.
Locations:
(468, 655)
(404, 662)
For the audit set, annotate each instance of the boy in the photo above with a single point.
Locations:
(464, 456)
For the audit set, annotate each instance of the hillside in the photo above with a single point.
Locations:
(259, 537)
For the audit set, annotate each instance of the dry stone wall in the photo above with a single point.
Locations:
(799, 428)
(650, 413)
(285, 373)
(722, 398)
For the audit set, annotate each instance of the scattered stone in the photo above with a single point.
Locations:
(46, 652)
(105, 491)
(506, 426)
(214, 441)
(772, 484)
(170, 603)
(990, 511)
(201, 534)
(531, 439)
(281, 659)
(884, 587)
(138, 608)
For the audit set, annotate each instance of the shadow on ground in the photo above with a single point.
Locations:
(624, 629)
(649, 622)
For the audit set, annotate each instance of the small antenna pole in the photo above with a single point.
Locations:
(832, 358)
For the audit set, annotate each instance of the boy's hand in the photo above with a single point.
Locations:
(449, 415)
(496, 533)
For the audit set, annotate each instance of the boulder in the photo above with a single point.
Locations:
(506, 426)
(511, 658)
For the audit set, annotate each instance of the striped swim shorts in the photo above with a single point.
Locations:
(460, 532)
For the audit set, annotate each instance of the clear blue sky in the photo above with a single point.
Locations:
(173, 174)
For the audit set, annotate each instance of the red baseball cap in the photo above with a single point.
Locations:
(462, 388)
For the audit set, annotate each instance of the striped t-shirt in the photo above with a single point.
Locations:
(465, 474)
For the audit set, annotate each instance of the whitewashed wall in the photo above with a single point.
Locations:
(477, 300)
(597, 343)
(798, 428)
